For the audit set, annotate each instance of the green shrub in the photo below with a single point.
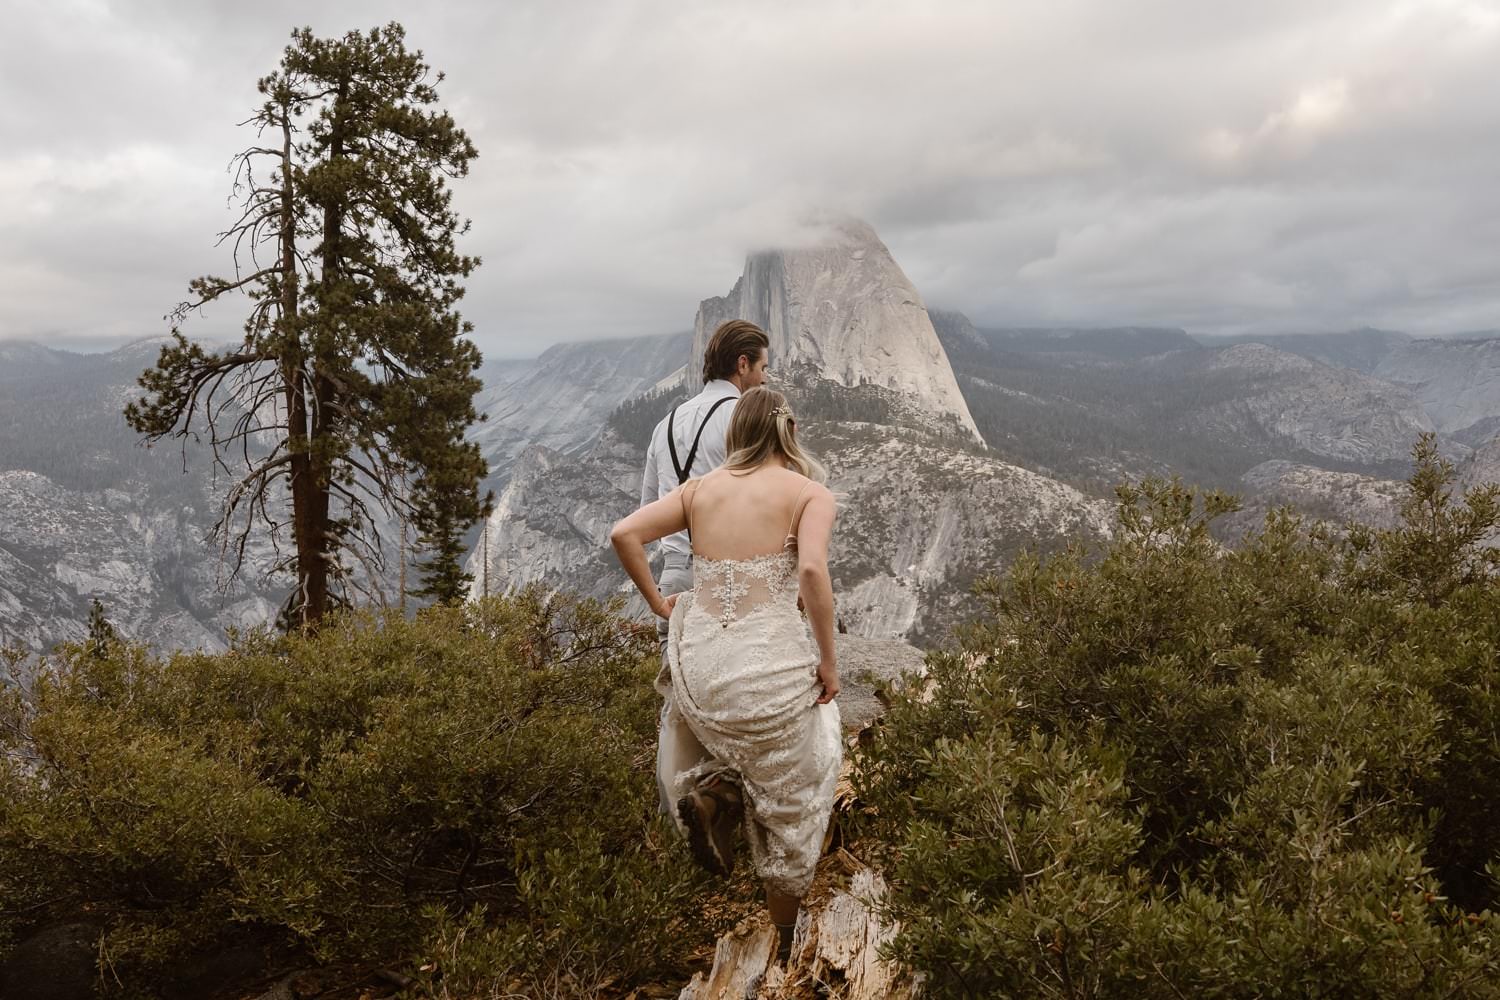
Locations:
(1180, 770)
(357, 793)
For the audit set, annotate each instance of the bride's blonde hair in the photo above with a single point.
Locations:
(764, 427)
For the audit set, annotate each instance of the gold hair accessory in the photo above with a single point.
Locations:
(782, 411)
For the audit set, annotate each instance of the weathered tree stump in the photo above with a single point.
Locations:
(835, 951)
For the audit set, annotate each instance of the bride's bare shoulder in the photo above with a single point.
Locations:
(806, 487)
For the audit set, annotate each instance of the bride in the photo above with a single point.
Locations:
(751, 734)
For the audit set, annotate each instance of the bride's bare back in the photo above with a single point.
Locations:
(738, 519)
(746, 515)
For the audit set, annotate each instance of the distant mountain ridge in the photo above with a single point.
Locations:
(1321, 421)
(1096, 415)
(1117, 343)
(560, 400)
(1456, 378)
(1326, 411)
(1458, 382)
(23, 358)
(1362, 350)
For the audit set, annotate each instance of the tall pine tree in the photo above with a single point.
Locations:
(354, 383)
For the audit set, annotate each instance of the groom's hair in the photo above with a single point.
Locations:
(736, 338)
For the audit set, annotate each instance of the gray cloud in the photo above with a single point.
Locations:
(1267, 166)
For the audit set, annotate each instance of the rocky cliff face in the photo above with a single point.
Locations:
(551, 522)
(1336, 497)
(920, 522)
(1456, 381)
(1340, 497)
(87, 512)
(1330, 412)
(1482, 469)
(60, 549)
(845, 313)
(1483, 466)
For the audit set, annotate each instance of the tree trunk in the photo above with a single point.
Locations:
(308, 529)
(304, 530)
(317, 573)
(314, 556)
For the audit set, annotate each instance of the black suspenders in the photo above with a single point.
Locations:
(684, 471)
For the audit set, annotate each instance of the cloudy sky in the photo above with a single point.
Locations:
(1223, 166)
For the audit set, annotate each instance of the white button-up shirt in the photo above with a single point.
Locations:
(660, 478)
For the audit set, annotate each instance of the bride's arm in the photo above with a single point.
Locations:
(630, 536)
(813, 534)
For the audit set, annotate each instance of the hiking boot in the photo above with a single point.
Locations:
(710, 815)
(784, 934)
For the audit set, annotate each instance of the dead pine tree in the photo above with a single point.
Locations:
(354, 376)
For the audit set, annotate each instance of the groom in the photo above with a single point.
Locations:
(689, 442)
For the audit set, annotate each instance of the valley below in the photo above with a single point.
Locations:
(953, 448)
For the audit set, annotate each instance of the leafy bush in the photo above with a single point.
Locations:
(1180, 770)
(361, 793)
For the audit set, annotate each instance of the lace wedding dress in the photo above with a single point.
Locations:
(740, 682)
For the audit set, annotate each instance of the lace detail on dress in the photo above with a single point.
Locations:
(729, 590)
